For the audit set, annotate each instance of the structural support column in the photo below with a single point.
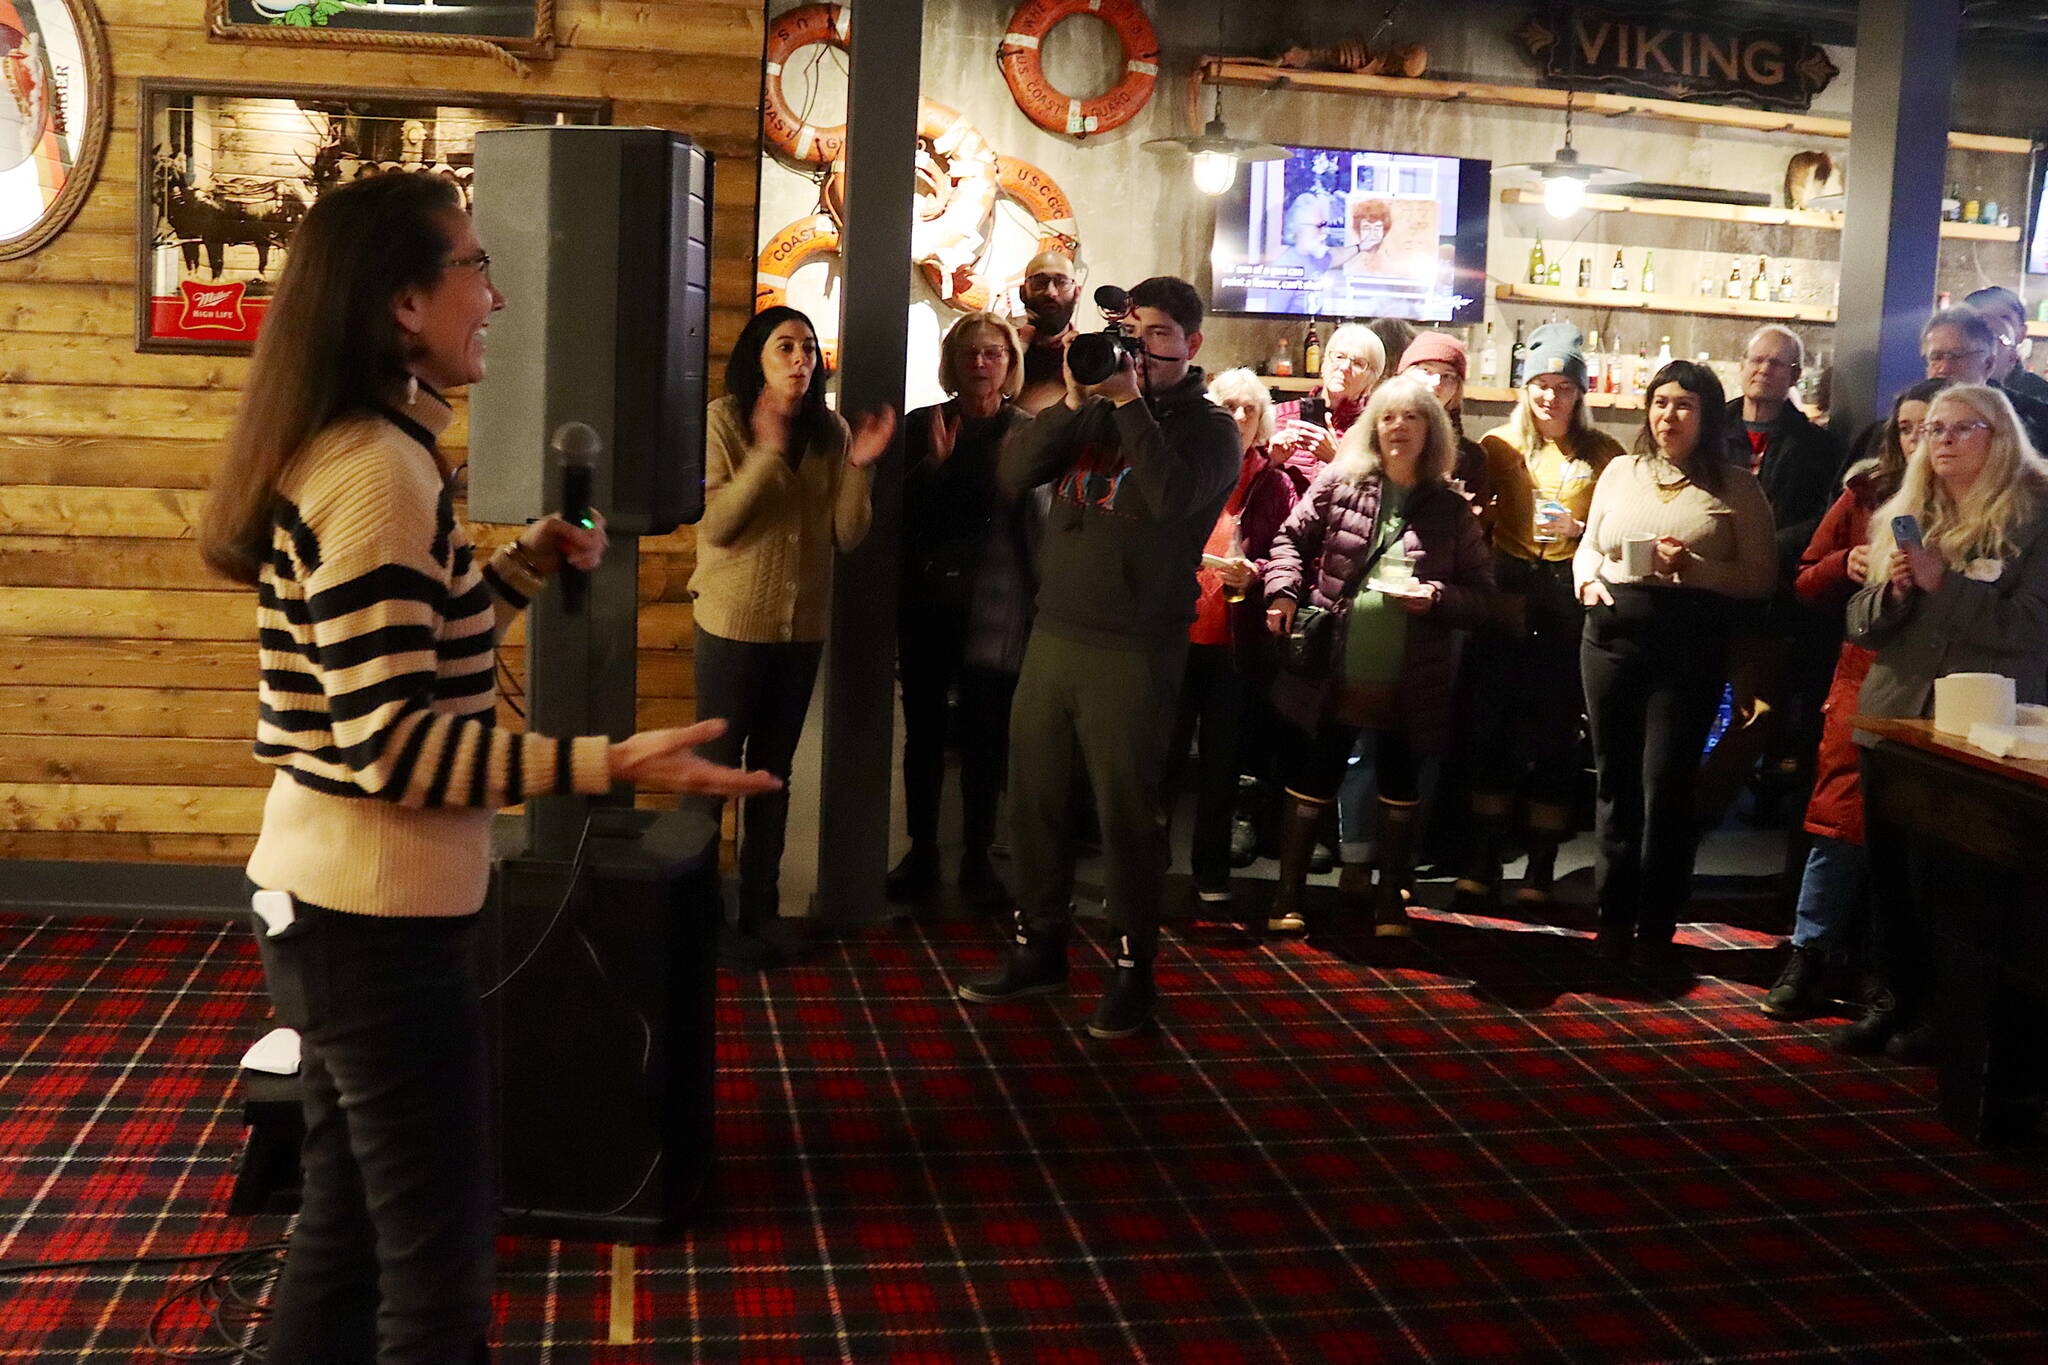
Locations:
(1891, 243)
(859, 745)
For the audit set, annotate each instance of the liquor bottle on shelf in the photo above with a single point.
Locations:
(1312, 352)
(1988, 214)
(1710, 279)
(1760, 283)
(1593, 362)
(1585, 272)
(1971, 208)
(1489, 362)
(1538, 272)
(1555, 276)
(1785, 286)
(1733, 289)
(1617, 278)
(1952, 204)
(1518, 361)
(1639, 382)
(1281, 366)
(1610, 379)
(1664, 356)
(1649, 272)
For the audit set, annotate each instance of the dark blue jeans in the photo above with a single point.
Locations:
(392, 1259)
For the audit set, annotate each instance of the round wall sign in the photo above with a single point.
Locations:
(55, 110)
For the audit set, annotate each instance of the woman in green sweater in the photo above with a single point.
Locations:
(1676, 538)
(378, 634)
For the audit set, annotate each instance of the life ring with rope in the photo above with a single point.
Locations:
(796, 245)
(1024, 68)
(968, 289)
(784, 128)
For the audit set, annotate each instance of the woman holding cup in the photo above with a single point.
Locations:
(1524, 702)
(1675, 539)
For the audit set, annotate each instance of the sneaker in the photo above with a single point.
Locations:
(1126, 1004)
(1797, 987)
(916, 876)
(1036, 964)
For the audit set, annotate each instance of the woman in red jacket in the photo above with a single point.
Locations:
(1835, 565)
(1383, 542)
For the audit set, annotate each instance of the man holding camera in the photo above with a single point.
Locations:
(1140, 464)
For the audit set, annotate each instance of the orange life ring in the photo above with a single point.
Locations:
(801, 242)
(785, 130)
(949, 236)
(968, 288)
(1055, 112)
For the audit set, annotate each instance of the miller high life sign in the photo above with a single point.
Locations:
(1653, 52)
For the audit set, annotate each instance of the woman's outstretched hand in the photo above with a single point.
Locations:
(667, 760)
(871, 433)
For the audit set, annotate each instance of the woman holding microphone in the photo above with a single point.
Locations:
(379, 629)
(1676, 538)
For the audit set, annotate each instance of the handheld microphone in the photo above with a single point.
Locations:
(577, 446)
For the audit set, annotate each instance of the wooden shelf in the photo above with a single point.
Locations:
(1740, 213)
(1474, 393)
(2037, 329)
(1239, 71)
(1628, 299)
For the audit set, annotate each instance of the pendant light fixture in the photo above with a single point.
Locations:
(1564, 178)
(1213, 154)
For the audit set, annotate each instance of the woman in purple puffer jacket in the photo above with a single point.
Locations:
(1381, 540)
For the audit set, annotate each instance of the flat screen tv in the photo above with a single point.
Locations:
(1339, 232)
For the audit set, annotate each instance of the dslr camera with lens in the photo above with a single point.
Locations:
(1095, 356)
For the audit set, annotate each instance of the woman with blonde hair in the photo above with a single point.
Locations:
(1385, 546)
(964, 597)
(1972, 597)
(379, 630)
(1523, 701)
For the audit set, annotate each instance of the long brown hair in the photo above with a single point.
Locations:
(329, 346)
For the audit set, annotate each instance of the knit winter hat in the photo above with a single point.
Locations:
(1439, 346)
(1557, 348)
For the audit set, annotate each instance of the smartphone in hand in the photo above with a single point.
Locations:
(1906, 530)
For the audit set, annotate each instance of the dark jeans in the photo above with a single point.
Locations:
(1522, 727)
(1316, 767)
(1105, 712)
(1902, 943)
(931, 653)
(392, 1258)
(761, 692)
(1213, 700)
(1653, 666)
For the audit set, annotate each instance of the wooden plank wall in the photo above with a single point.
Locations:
(127, 673)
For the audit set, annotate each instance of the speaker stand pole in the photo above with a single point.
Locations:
(581, 679)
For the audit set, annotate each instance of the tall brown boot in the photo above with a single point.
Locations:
(1548, 826)
(1478, 885)
(1300, 816)
(1398, 829)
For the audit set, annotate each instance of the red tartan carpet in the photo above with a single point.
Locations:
(1485, 1151)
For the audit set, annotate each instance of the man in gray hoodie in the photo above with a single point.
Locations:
(1139, 466)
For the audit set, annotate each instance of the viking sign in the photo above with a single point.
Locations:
(1646, 52)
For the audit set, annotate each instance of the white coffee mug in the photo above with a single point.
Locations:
(1639, 554)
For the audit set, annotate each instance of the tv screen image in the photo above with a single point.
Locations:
(1341, 232)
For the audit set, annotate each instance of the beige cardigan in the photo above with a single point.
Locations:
(765, 545)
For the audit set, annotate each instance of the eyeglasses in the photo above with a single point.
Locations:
(480, 262)
(991, 354)
(1934, 431)
(1955, 357)
(1237, 410)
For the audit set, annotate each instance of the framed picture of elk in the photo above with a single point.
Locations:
(522, 27)
(226, 173)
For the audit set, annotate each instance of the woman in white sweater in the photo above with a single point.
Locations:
(1676, 539)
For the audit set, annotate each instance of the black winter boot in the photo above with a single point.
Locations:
(1478, 886)
(1793, 995)
(1126, 1004)
(1399, 822)
(915, 876)
(1548, 826)
(1036, 964)
(1300, 816)
(1868, 1035)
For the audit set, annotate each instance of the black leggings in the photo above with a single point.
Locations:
(931, 662)
(762, 692)
(1316, 767)
(1525, 696)
(1213, 699)
(1653, 663)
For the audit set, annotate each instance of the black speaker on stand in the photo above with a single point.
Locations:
(606, 916)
